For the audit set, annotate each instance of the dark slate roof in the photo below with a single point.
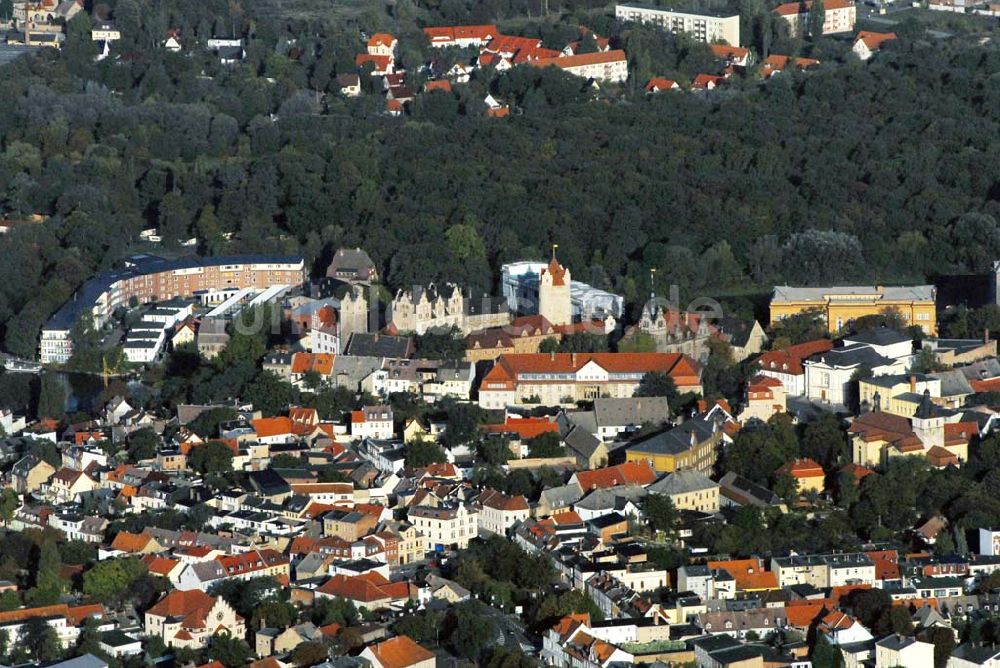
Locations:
(379, 345)
(582, 442)
(880, 336)
(268, 482)
(676, 440)
(858, 354)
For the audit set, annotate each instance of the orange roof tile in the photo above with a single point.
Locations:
(802, 469)
(274, 426)
(660, 83)
(321, 363)
(524, 428)
(874, 41)
(130, 542)
(629, 473)
(400, 652)
(789, 360)
(582, 59)
(381, 39)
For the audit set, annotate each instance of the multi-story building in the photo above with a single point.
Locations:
(461, 36)
(522, 287)
(839, 16)
(553, 379)
(705, 27)
(824, 570)
(191, 618)
(420, 310)
(689, 489)
(372, 422)
(840, 306)
(599, 66)
(446, 525)
(693, 444)
(498, 512)
(147, 279)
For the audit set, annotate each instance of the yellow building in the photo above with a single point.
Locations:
(694, 444)
(841, 305)
(689, 490)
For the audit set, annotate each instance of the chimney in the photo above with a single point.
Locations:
(913, 383)
(572, 359)
(552, 356)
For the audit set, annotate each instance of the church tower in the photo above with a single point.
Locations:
(353, 314)
(927, 423)
(554, 292)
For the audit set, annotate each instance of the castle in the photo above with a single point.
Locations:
(420, 310)
(554, 302)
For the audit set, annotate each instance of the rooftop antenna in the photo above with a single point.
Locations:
(652, 282)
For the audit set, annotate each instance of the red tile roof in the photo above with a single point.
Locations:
(381, 39)
(400, 652)
(794, 8)
(524, 428)
(321, 363)
(583, 59)
(491, 498)
(802, 469)
(789, 360)
(660, 83)
(446, 34)
(874, 40)
(629, 473)
(685, 371)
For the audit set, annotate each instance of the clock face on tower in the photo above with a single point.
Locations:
(219, 616)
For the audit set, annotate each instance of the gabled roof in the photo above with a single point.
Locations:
(629, 473)
(399, 652)
(802, 468)
(794, 8)
(874, 40)
(789, 360)
(682, 481)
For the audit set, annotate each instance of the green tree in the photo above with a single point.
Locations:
(422, 453)
(49, 586)
(546, 445)
(660, 513)
(142, 444)
(51, 396)
(211, 457)
(231, 652)
(9, 600)
(111, 580)
(270, 394)
(816, 18)
(9, 502)
(472, 630)
(656, 384)
(310, 653)
(40, 640)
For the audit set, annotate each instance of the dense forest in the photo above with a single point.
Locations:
(881, 171)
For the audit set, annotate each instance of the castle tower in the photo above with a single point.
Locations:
(353, 315)
(554, 292)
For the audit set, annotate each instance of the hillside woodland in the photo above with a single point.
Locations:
(877, 172)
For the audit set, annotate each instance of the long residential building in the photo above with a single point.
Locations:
(564, 378)
(839, 16)
(839, 306)
(599, 66)
(148, 278)
(703, 26)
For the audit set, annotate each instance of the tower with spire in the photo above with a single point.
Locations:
(554, 292)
